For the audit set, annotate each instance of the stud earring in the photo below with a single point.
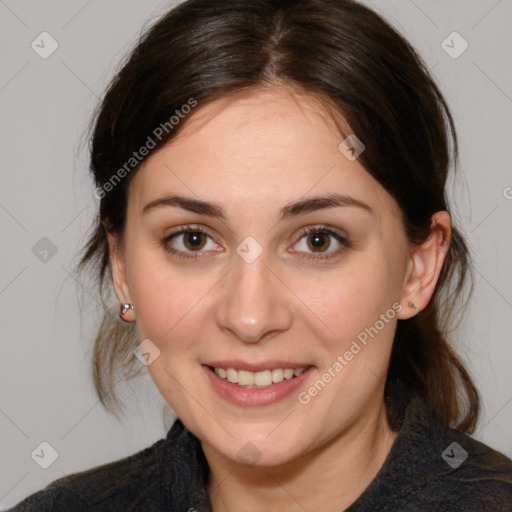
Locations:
(123, 310)
(412, 305)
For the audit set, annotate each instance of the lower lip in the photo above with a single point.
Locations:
(256, 396)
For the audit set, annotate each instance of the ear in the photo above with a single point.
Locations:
(117, 266)
(424, 266)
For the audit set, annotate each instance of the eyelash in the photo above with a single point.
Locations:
(184, 230)
(321, 229)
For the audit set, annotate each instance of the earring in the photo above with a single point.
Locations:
(123, 309)
(412, 305)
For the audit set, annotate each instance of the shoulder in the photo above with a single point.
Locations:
(474, 476)
(450, 470)
(434, 467)
(133, 479)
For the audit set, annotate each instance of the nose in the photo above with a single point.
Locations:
(254, 302)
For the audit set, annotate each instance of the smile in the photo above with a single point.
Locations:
(262, 387)
(261, 379)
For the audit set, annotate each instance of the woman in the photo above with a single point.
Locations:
(274, 222)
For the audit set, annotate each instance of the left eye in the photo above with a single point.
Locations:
(321, 241)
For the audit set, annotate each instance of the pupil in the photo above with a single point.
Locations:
(194, 240)
(319, 241)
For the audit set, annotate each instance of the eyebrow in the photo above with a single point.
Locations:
(294, 209)
(312, 204)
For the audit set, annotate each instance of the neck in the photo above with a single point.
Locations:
(328, 478)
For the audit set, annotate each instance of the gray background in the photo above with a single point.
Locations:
(46, 392)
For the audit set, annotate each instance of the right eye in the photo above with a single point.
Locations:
(189, 240)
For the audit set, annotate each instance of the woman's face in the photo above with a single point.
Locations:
(296, 258)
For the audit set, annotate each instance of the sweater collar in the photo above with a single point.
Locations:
(185, 469)
(184, 472)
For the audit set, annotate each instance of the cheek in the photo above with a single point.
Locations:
(349, 300)
(166, 300)
(356, 331)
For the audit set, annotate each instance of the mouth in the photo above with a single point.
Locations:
(256, 385)
(257, 380)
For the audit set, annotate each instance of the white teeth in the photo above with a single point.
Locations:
(277, 375)
(221, 372)
(232, 375)
(245, 378)
(261, 379)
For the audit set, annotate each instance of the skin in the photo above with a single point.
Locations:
(252, 156)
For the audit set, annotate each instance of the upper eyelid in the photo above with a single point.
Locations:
(191, 228)
(323, 228)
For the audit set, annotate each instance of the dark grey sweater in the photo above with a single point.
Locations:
(429, 468)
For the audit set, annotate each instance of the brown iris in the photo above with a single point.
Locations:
(318, 242)
(194, 240)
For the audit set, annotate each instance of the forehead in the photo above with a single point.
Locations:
(263, 149)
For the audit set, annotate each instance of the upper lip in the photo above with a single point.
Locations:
(256, 367)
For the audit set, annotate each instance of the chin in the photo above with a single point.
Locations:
(257, 445)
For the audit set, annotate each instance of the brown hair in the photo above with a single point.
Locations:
(344, 53)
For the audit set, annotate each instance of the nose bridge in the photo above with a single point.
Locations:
(254, 302)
